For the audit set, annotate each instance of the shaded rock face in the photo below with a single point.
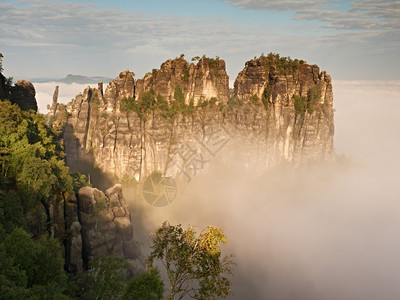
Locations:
(23, 93)
(3, 88)
(275, 117)
(106, 227)
(73, 245)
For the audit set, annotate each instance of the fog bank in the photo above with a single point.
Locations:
(325, 232)
(45, 91)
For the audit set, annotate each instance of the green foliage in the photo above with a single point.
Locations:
(190, 107)
(203, 103)
(148, 286)
(300, 104)
(178, 94)
(266, 96)
(212, 102)
(11, 210)
(194, 264)
(254, 100)
(31, 269)
(107, 277)
(1, 63)
(214, 62)
(32, 169)
(313, 96)
(146, 103)
(196, 58)
(101, 205)
(303, 104)
(285, 65)
(128, 104)
(232, 102)
(185, 76)
(79, 180)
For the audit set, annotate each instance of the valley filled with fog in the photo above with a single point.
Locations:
(324, 232)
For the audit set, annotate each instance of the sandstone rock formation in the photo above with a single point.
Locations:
(3, 88)
(106, 227)
(97, 224)
(205, 80)
(280, 112)
(23, 93)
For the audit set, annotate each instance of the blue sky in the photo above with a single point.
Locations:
(352, 40)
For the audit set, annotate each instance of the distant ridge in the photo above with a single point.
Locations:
(70, 78)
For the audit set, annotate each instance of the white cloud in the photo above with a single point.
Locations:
(40, 37)
(362, 14)
(276, 5)
(45, 91)
(328, 233)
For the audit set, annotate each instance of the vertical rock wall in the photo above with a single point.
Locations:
(262, 123)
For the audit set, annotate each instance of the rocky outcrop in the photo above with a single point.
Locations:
(55, 100)
(202, 81)
(73, 243)
(4, 92)
(106, 226)
(280, 112)
(23, 94)
(298, 131)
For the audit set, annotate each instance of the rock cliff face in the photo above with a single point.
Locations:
(99, 224)
(205, 80)
(22, 93)
(106, 226)
(280, 112)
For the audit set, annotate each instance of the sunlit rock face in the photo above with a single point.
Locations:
(277, 114)
(290, 136)
(204, 80)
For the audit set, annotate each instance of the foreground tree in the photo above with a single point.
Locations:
(31, 269)
(147, 286)
(107, 278)
(194, 264)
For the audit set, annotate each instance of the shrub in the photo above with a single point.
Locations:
(284, 65)
(254, 100)
(300, 104)
(313, 96)
(266, 95)
(148, 285)
(214, 62)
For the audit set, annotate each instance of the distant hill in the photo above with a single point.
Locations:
(70, 78)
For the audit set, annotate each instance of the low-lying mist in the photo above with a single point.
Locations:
(324, 232)
(45, 91)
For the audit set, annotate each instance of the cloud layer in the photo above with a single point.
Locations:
(51, 39)
(45, 91)
(327, 232)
